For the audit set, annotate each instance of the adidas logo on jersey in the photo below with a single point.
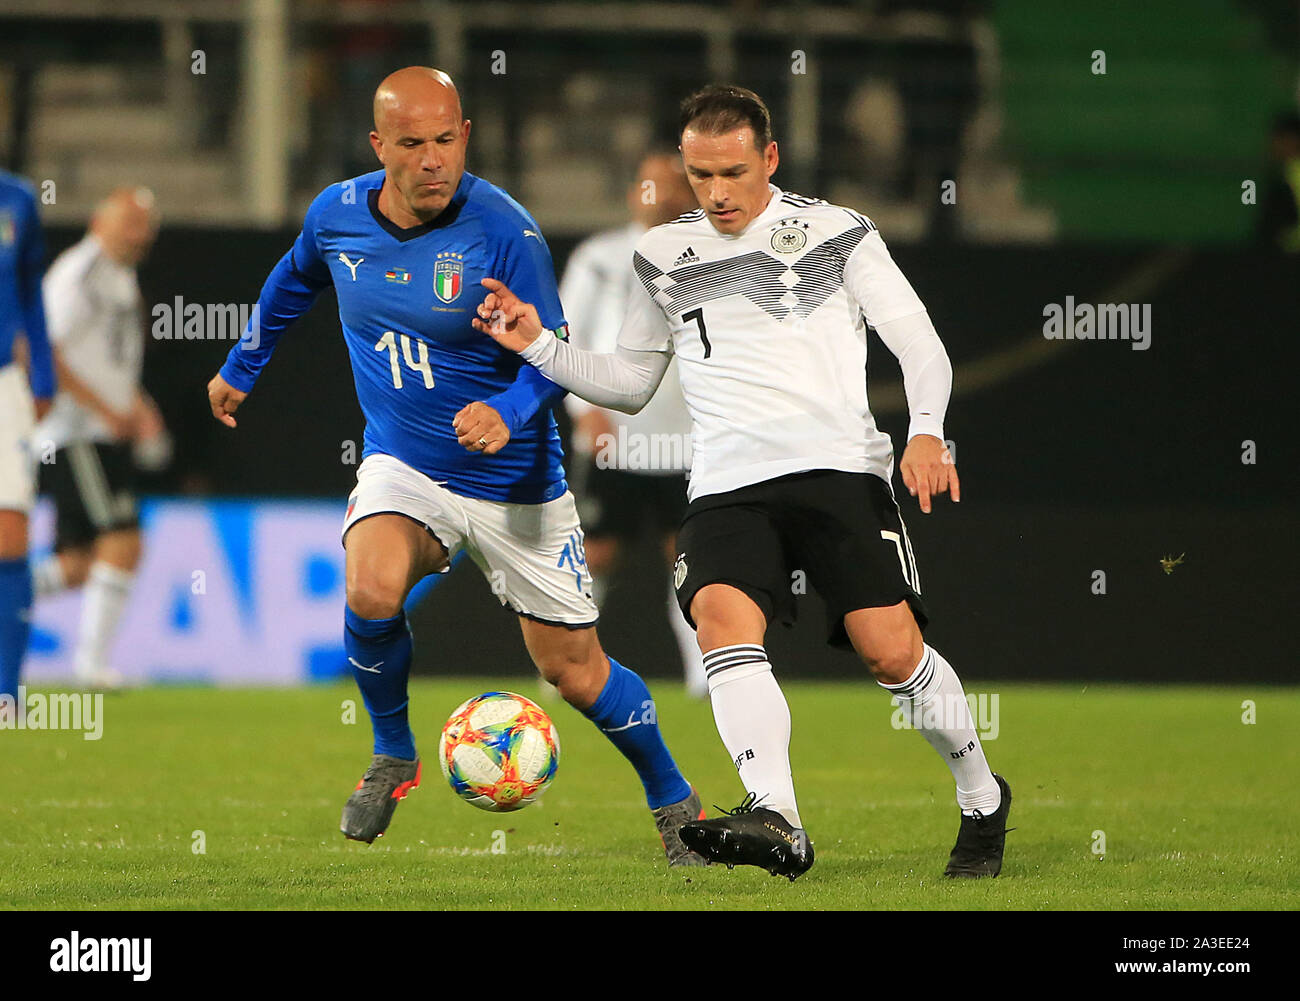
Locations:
(687, 256)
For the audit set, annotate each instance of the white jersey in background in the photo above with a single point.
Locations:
(769, 330)
(94, 311)
(598, 283)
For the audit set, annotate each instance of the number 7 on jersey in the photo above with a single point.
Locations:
(698, 316)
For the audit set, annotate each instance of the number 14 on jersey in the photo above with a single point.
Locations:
(389, 343)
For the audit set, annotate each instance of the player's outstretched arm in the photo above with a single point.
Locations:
(893, 308)
(927, 466)
(622, 381)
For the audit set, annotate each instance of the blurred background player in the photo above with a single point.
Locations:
(618, 500)
(101, 415)
(22, 256)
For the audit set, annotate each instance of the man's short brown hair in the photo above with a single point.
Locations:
(720, 108)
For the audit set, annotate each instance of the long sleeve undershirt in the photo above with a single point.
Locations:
(627, 379)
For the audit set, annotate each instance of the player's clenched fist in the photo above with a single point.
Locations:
(928, 469)
(507, 319)
(224, 400)
(480, 428)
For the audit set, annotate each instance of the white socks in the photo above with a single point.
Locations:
(754, 724)
(106, 591)
(687, 646)
(932, 701)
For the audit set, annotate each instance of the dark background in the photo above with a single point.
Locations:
(1096, 457)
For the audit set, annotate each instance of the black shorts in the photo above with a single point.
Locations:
(839, 532)
(617, 503)
(93, 487)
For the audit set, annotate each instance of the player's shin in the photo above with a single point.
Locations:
(626, 714)
(932, 700)
(379, 653)
(15, 613)
(753, 721)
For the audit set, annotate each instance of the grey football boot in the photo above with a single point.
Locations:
(369, 809)
(669, 820)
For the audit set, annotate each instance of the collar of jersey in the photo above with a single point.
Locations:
(444, 218)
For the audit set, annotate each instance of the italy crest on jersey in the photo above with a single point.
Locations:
(448, 275)
(8, 231)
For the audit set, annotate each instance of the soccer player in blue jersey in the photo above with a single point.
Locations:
(461, 450)
(22, 258)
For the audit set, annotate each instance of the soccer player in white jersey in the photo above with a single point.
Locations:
(96, 323)
(632, 467)
(767, 316)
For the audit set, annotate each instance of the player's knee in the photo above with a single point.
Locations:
(120, 548)
(577, 669)
(892, 663)
(373, 596)
(76, 565)
(562, 672)
(725, 615)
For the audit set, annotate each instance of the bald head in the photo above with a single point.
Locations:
(126, 223)
(659, 192)
(411, 88)
(420, 137)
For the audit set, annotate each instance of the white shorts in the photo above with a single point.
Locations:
(17, 419)
(531, 554)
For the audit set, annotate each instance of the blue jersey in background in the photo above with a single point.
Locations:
(22, 261)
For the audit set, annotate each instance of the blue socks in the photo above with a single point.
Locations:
(379, 653)
(15, 612)
(626, 715)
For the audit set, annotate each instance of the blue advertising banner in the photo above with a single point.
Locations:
(228, 591)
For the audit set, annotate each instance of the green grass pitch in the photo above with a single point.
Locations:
(1198, 809)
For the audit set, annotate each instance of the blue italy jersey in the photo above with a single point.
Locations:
(22, 259)
(406, 298)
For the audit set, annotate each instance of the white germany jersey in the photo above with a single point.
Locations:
(769, 330)
(598, 282)
(94, 312)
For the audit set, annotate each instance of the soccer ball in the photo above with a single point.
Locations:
(499, 751)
